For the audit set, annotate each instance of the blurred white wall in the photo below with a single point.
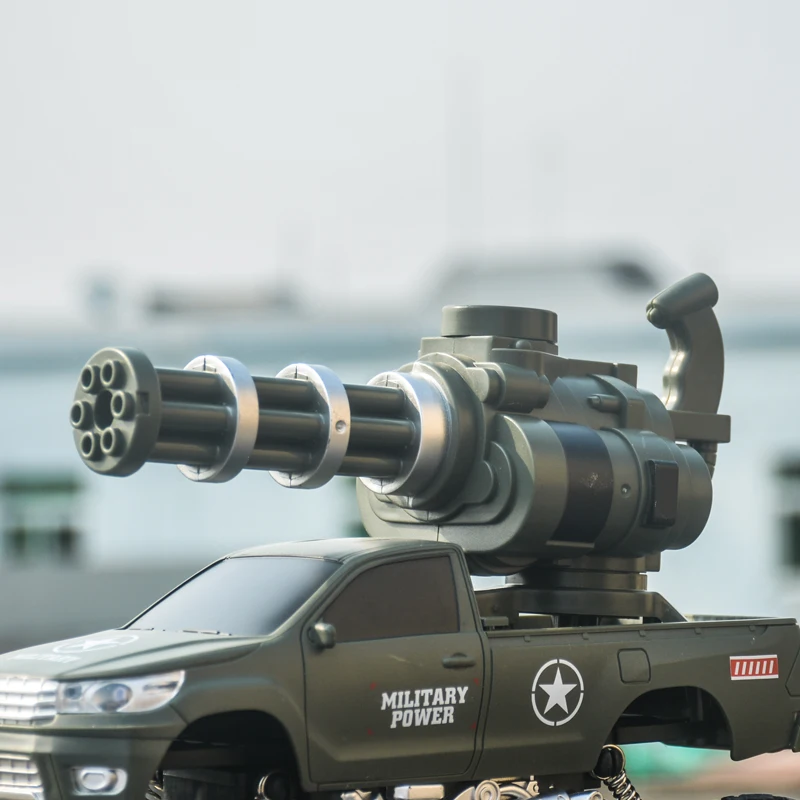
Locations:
(346, 148)
(343, 144)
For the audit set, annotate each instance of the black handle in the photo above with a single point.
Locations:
(458, 661)
(693, 374)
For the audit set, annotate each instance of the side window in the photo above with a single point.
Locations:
(408, 598)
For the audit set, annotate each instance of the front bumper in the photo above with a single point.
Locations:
(35, 766)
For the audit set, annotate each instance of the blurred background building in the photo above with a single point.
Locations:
(311, 181)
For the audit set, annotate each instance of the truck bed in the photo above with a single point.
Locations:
(698, 683)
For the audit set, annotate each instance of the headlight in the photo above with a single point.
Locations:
(128, 695)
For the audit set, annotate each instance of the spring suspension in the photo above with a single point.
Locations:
(155, 789)
(275, 785)
(610, 770)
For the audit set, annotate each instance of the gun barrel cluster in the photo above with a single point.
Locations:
(127, 412)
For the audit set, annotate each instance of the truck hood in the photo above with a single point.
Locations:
(117, 653)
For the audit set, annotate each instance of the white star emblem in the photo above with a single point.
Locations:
(557, 691)
(563, 702)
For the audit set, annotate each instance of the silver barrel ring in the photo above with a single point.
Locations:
(429, 410)
(243, 404)
(335, 409)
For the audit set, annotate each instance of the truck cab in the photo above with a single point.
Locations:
(337, 661)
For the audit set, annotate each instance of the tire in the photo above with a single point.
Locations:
(755, 797)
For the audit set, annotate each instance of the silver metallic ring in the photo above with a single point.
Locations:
(336, 414)
(242, 438)
(427, 407)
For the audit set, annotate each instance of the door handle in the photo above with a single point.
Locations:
(458, 661)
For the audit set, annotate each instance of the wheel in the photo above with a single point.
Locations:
(755, 797)
(223, 785)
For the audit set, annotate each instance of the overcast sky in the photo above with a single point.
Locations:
(343, 145)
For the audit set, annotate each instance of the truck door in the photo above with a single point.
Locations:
(398, 695)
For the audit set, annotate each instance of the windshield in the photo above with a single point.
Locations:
(249, 596)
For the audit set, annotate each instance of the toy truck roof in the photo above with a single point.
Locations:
(342, 549)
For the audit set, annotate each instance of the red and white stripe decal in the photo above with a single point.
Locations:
(754, 668)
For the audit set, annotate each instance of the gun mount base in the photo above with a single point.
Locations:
(573, 607)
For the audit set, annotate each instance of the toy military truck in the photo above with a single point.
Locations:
(369, 668)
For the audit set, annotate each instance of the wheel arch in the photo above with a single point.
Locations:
(251, 737)
(684, 715)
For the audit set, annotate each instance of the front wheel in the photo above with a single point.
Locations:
(220, 784)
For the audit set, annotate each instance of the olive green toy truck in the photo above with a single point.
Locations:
(360, 669)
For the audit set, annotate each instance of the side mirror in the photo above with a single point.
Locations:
(322, 635)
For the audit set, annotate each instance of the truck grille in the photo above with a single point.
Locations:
(19, 779)
(26, 701)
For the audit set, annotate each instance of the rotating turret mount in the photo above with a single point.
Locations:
(489, 439)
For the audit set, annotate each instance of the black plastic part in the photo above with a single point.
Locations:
(591, 484)
(179, 417)
(184, 384)
(663, 479)
(290, 426)
(364, 465)
(288, 459)
(381, 433)
(375, 401)
(283, 459)
(301, 396)
(285, 392)
(610, 763)
(196, 454)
